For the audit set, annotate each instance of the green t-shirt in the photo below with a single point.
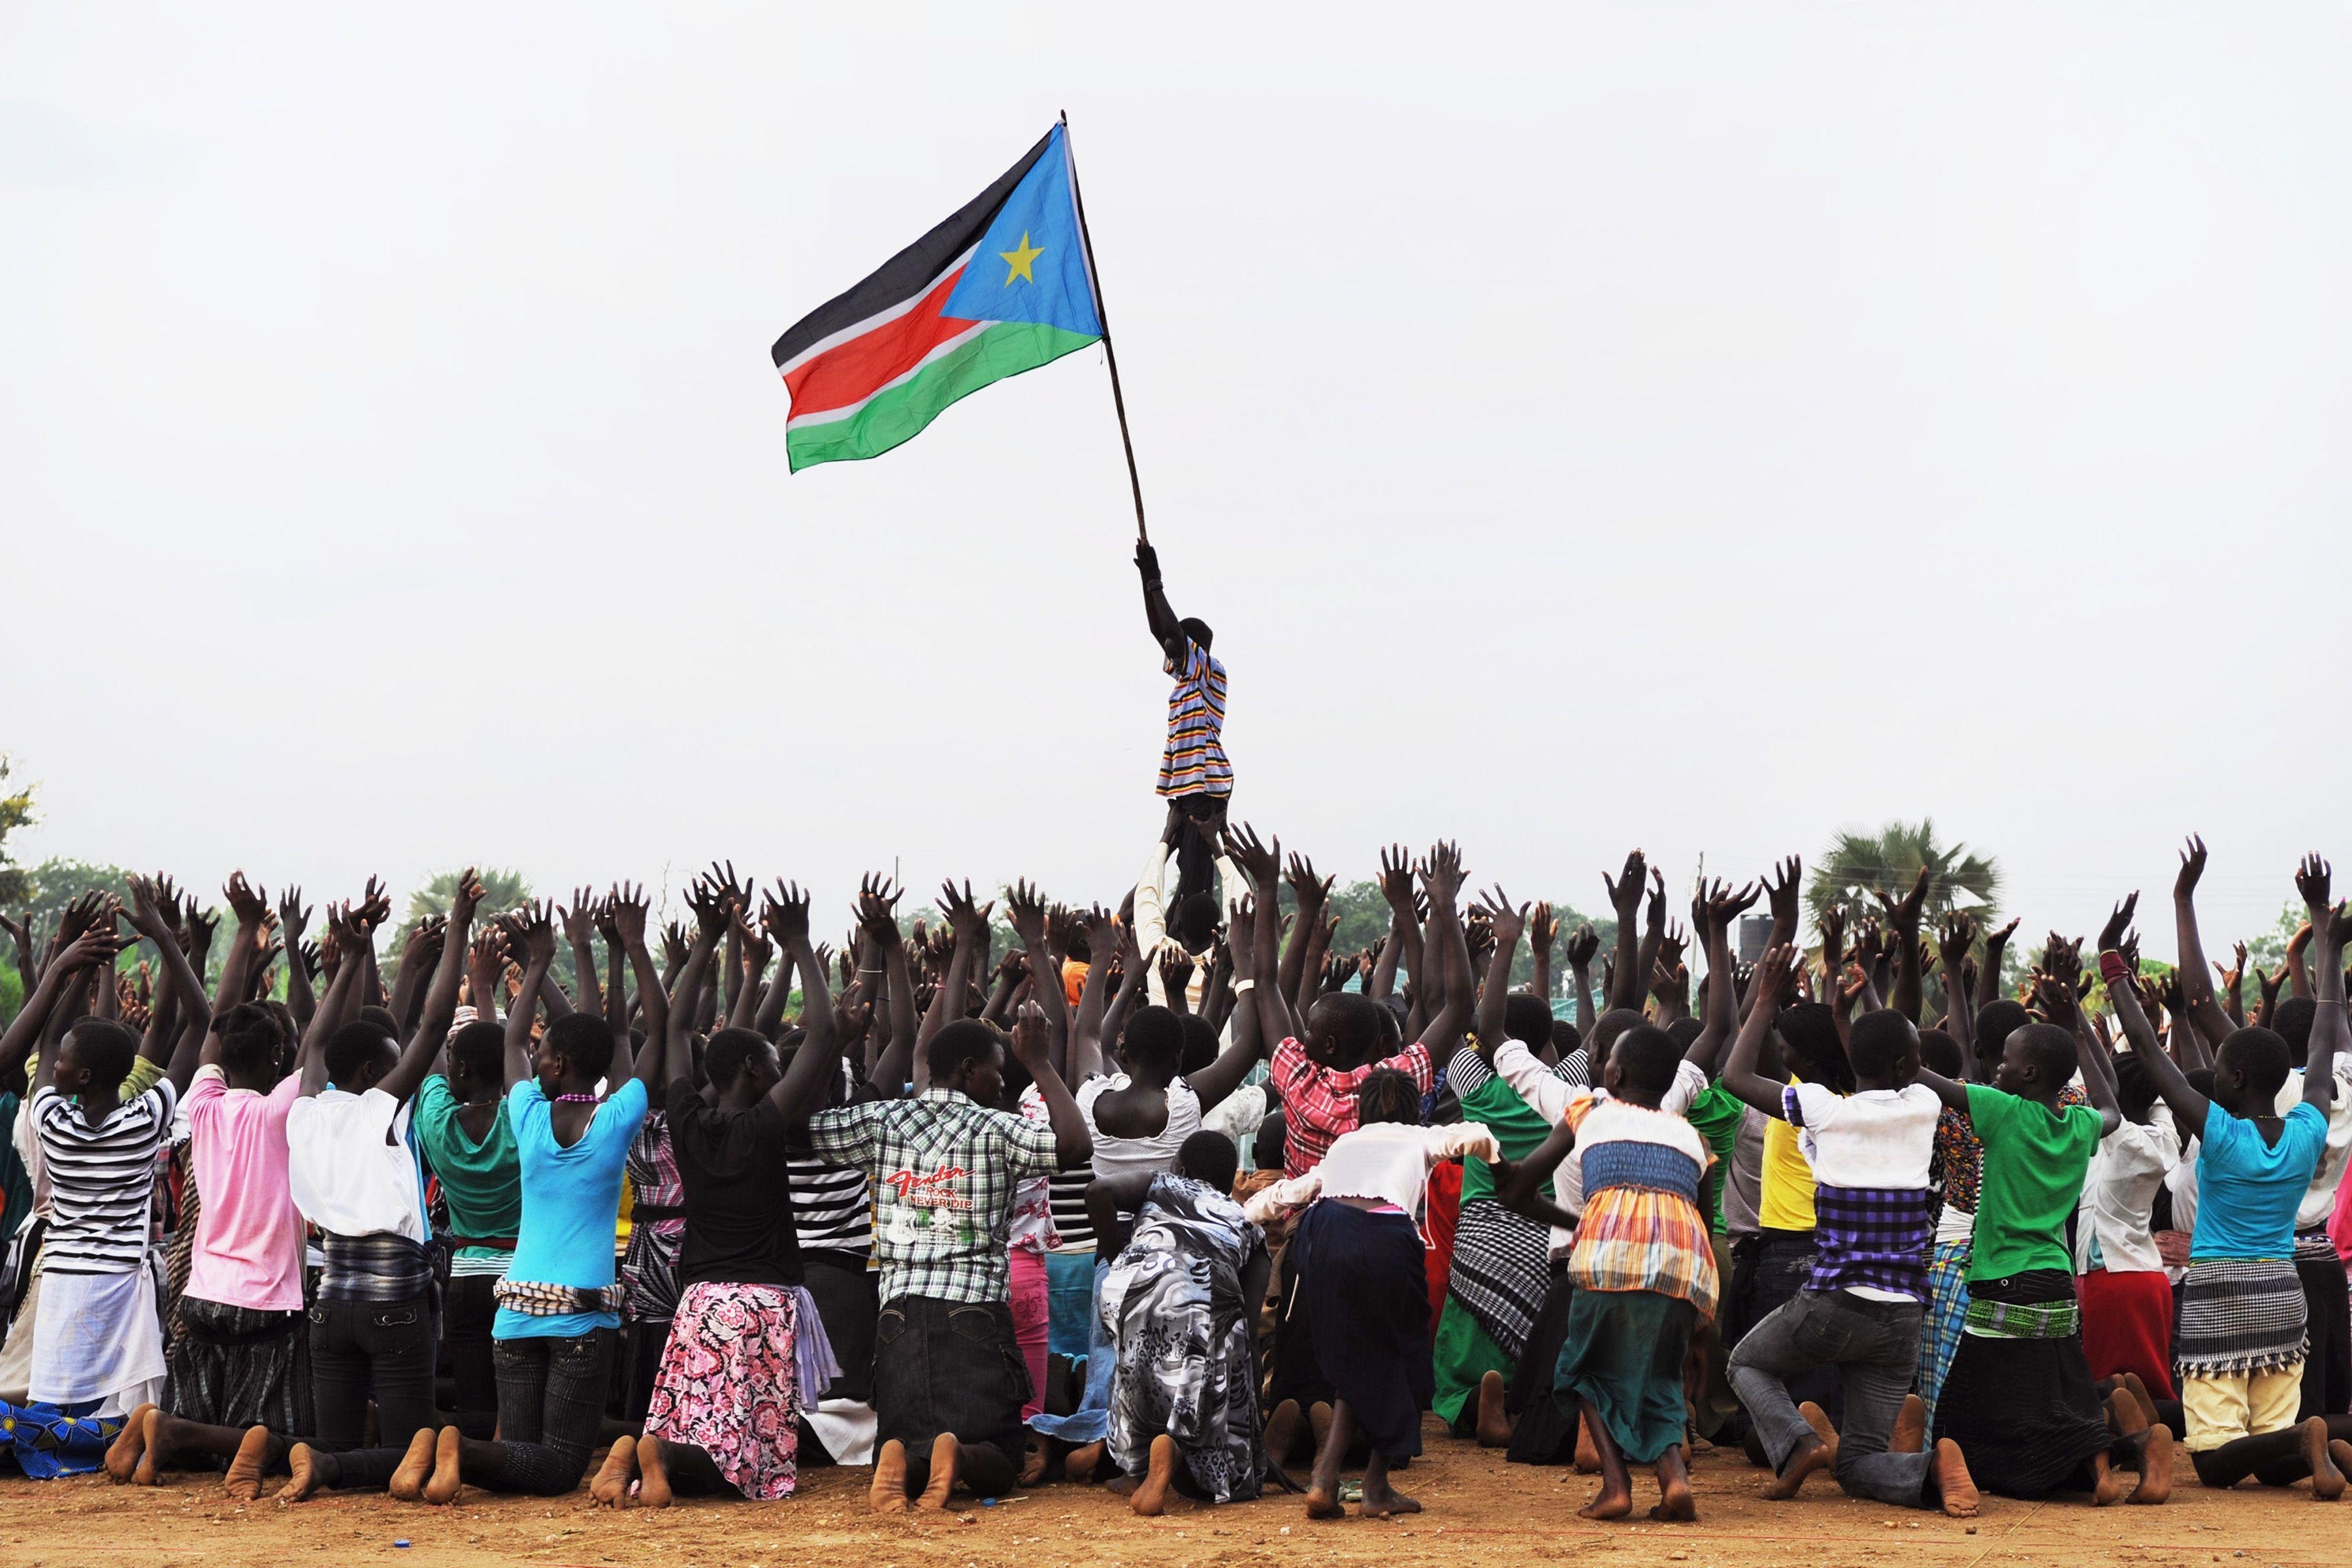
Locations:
(482, 1182)
(1496, 1105)
(2034, 1162)
(1716, 1115)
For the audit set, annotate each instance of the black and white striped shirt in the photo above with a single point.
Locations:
(832, 1207)
(102, 1179)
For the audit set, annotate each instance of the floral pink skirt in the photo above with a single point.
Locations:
(729, 1387)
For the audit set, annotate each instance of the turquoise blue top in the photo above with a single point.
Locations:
(571, 1205)
(2247, 1190)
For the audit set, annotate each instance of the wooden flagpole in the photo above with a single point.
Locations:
(1110, 355)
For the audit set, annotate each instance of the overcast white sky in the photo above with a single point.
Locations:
(1702, 426)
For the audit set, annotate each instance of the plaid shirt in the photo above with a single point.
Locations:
(1319, 1103)
(945, 1172)
(1878, 1237)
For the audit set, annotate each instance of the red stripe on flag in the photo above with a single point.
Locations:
(865, 364)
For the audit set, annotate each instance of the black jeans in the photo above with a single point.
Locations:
(468, 1312)
(948, 1366)
(551, 1410)
(357, 1347)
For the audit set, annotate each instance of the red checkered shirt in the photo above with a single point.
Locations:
(1319, 1103)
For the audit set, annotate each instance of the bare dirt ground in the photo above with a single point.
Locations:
(1482, 1513)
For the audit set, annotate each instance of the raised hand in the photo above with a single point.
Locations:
(967, 917)
(1582, 946)
(1025, 906)
(1175, 970)
(1310, 890)
(1260, 863)
(1957, 934)
(1240, 926)
(244, 901)
(785, 915)
(1775, 977)
(737, 894)
(1903, 914)
(293, 915)
(2192, 867)
(579, 917)
(1443, 878)
(2311, 880)
(2111, 935)
(537, 923)
(878, 908)
(1507, 921)
(1396, 879)
(851, 1013)
(1029, 1037)
(375, 907)
(1626, 891)
(1670, 949)
(1784, 884)
(1543, 928)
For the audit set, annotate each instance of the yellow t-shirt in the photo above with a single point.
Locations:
(1788, 1199)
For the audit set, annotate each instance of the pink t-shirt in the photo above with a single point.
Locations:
(250, 1238)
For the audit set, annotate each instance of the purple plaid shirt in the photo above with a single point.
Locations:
(1879, 1237)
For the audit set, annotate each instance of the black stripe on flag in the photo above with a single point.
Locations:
(910, 271)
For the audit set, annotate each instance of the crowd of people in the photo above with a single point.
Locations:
(1171, 1197)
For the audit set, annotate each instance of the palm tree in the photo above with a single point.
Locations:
(1888, 861)
(501, 890)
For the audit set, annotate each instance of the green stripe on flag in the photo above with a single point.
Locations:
(900, 413)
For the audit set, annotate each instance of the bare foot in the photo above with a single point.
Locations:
(2125, 1414)
(1609, 1502)
(1818, 1420)
(1318, 1419)
(122, 1453)
(1910, 1434)
(1282, 1430)
(1676, 1504)
(887, 1492)
(1952, 1479)
(1033, 1454)
(652, 1473)
(2326, 1480)
(611, 1487)
(1321, 1504)
(415, 1466)
(243, 1481)
(1080, 1463)
(1588, 1457)
(1493, 1421)
(1388, 1501)
(304, 1478)
(148, 1471)
(2140, 1395)
(2106, 1486)
(1150, 1496)
(945, 1457)
(2155, 1467)
(448, 1478)
(2341, 1452)
(1801, 1464)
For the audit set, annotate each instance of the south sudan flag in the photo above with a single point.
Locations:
(999, 288)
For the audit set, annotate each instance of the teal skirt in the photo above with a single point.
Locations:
(1623, 1360)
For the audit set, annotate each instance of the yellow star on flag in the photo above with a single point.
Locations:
(1019, 261)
